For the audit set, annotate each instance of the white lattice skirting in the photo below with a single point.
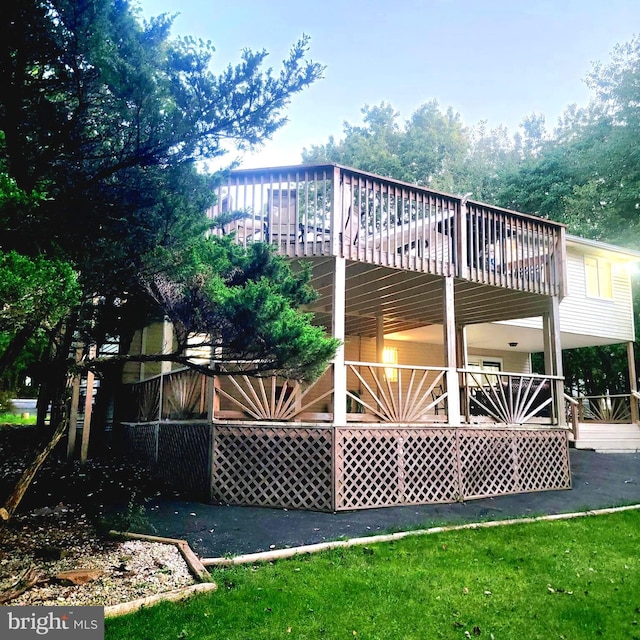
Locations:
(332, 469)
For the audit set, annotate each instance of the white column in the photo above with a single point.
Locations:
(450, 359)
(338, 330)
(167, 344)
(633, 381)
(379, 338)
(553, 354)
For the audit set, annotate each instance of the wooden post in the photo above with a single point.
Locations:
(88, 408)
(461, 240)
(449, 328)
(379, 338)
(73, 409)
(143, 350)
(337, 221)
(167, 344)
(338, 330)
(462, 362)
(546, 338)
(553, 355)
(633, 381)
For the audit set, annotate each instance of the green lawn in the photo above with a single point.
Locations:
(572, 579)
(13, 419)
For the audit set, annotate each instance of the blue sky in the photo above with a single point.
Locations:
(494, 60)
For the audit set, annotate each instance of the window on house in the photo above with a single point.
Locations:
(484, 365)
(598, 277)
(390, 356)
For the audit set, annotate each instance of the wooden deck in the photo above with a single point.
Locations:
(400, 240)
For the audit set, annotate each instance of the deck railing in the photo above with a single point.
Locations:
(606, 408)
(331, 210)
(376, 393)
(398, 393)
(509, 398)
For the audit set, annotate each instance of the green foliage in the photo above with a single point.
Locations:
(244, 304)
(36, 290)
(5, 403)
(105, 121)
(571, 579)
(10, 419)
(423, 152)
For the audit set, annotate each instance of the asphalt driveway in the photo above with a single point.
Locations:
(599, 480)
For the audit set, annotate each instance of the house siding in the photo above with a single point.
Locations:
(597, 317)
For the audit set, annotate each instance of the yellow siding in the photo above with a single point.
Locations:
(131, 370)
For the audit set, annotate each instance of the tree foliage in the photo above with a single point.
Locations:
(105, 120)
(241, 305)
(584, 173)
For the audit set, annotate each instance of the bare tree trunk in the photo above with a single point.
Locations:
(27, 476)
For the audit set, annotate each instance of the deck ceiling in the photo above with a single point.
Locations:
(407, 300)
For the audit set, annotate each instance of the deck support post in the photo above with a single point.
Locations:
(553, 355)
(88, 408)
(450, 357)
(338, 331)
(75, 404)
(462, 355)
(633, 381)
(379, 338)
(167, 344)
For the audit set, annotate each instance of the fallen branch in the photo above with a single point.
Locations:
(28, 579)
(27, 476)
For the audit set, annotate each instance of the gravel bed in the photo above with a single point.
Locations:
(62, 539)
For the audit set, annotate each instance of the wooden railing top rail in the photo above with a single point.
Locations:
(608, 395)
(383, 365)
(512, 374)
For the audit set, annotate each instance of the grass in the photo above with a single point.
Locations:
(564, 579)
(13, 419)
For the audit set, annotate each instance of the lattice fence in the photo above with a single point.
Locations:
(184, 457)
(273, 466)
(140, 442)
(294, 467)
(384, 467)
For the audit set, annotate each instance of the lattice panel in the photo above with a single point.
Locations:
(381, 467)
(503, 462)
(487, 462)
(543, 458)
(183, 457)
(367, 468)
(429, 465)
(273, 467)
(139, 443)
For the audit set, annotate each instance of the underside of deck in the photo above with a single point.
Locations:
(408, 300)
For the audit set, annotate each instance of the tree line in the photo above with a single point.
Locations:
(584, 172)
